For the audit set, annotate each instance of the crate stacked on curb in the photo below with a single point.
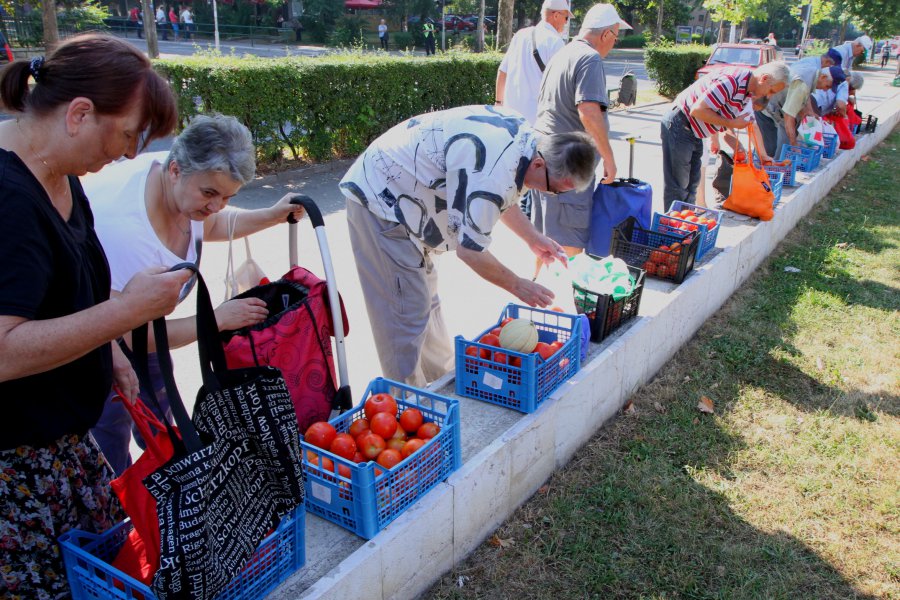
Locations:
(788, 172)
(776, 180)
(651, 250)
(683, 218)
(519, 380)
(365, 497)
(88, 559)
(831, 145)
(606, 314)
(806, 158)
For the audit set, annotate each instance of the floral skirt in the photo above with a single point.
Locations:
(45, 492)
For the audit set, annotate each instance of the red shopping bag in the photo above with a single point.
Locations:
(139, 555)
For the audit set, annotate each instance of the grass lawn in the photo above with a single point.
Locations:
(790, 488)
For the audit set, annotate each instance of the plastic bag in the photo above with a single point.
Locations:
(810, 131)
(558, 279)
(608, 276)
(248, 274)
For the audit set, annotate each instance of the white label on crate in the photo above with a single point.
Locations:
(492, 380)
(321, 492)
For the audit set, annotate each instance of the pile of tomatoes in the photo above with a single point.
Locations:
(381, 435)
(492, 338)
(690, 221)
(664, 261)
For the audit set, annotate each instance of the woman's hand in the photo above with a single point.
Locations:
(124, 376)
(239, 313)
(281, 209)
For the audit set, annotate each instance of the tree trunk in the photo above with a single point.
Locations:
(51, 28)
(150, 29)
(744, 27)
(659, 20)
(843, 32)
(721, 35)
(504, 22)
(479, 29)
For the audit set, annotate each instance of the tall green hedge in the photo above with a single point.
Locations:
(674, 67)
(329, 106)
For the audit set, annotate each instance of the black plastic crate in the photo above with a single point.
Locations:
(870, 124)
(642, 248)
(605, 314)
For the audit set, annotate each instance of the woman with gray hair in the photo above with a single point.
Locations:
(157, 210)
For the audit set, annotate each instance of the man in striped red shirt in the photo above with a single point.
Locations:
(721, 100)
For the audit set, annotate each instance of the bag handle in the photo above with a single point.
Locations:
(146, 422)
(212, 354)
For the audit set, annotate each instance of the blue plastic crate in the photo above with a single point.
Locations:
(666, 223)
(831, 145)
(805, 157)
(365, 497)
(776, 180)
(788, 173)
(525, 385)
(91, 576)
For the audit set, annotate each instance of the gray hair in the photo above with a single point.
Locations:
(855, 80)
(586, 31)
(778, 70)
(215, 143)
(570, 155)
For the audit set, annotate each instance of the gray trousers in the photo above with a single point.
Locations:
(400, 289)
(773, 134)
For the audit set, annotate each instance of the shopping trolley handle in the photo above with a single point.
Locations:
(315, 215)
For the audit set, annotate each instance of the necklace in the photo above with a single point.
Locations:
(165, 191)
(37, 155)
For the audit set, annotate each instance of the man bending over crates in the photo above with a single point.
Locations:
(779, 120)
(719, 101)
(440, 182)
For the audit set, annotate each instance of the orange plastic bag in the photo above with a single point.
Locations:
(751, 192)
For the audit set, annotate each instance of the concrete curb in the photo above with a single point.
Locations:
(407, 557)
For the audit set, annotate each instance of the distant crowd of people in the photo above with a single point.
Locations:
(167, 18)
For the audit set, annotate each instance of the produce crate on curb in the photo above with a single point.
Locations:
(831, 145)
(92, 577)
(776, 180)
(525, 385)
(805, 157)
(788, 173)
(869, 124)
(605, 314)
(637, 246)
(665, 223)
(365, 497)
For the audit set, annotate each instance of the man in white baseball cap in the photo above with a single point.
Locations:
(573, 98)
(850, 50)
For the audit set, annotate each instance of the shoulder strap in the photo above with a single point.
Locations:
(534, 50)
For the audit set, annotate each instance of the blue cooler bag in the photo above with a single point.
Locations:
(613, 204)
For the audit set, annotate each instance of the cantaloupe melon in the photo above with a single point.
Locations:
(519, 335)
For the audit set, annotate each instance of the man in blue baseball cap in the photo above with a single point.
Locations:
(778, 121)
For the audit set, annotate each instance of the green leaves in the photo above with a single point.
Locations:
(673, 67)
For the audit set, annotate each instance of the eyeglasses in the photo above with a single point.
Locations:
(550, 190)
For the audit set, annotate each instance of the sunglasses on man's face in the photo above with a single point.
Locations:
(550, 190)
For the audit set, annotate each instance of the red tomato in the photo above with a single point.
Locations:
(344, 471)
(555, 346)
(711, 223)
(489, 339)
(357, 427)
(505, 321)
(320, 434)
(399, 434)
(378, 403)
(370, 445)
(650, 267)
(500, 357)
(692, 219)
(676, 248)
(343, 445)
(544, 350)
(411, 446)
(411, 419)
(662, 271)
(496, 331)
(428, 431)
(557, 309)
(389, 458)
(396, 443)
(515, 361)
(358, 457)
(384, 424)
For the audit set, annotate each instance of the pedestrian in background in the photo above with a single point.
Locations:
(187, 19)
(383, 34)
(135, 20)
(95, 99)
(573, 98)
(173, 21)
(885, 53)
(162, 21)
(428, 31)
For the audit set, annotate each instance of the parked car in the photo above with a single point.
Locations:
(737, 55)
(456, 24)
(752, 41)
(489, 22)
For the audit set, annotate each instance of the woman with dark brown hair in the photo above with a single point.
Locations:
(93, 100)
